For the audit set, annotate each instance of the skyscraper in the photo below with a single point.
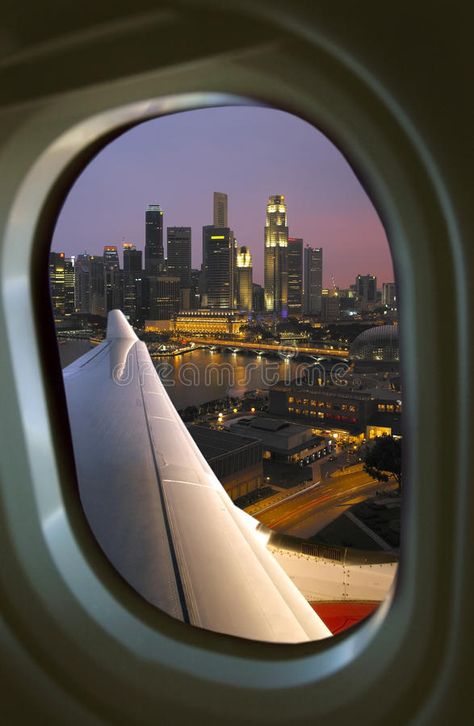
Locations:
(244, 279)
(111, 278)
(69, 288)
(132, 277)
(96, 285)
(56, 283)
(389, 294)
(295, 275)
(220, 209)
(276, 256)
(154, 252)
(366, 288)
(220, 269)
(82, 283)
(313, 280)
(179, 254)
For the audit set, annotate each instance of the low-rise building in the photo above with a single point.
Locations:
(236, 460)
(282, 441)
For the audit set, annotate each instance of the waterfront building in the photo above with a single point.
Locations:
(207, 323)
(313, 280)
(236, 460)
(244, 279)
(276, 256)
(295, 276)
(154, 251)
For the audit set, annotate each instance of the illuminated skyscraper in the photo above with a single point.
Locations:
(219, 245)
(244, 279)
(313, 280)
(276, 256)
(69, 287)
(56, 283)
(295, 276)
(220, 209)
(96, 285)
(154, 252)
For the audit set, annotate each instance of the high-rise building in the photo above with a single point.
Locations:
(82, 283)
(295, 275)
(163, 296)
(330, 307)
(313, 280)
(389, 294)
(56, 283)
(69, 288)
(219, 267)
(132, 277)
(220, 210)
(96, 285)
(276, 256)
(154, 252)
(111, 278)
(366, 288)
(244, 279)
(258, 298)
(179, 254)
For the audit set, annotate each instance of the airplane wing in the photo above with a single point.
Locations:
(157, 509)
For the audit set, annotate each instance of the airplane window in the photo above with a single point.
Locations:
(226, 316)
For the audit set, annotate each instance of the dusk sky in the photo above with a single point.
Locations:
(179, 161)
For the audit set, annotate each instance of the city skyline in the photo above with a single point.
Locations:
(106, 205)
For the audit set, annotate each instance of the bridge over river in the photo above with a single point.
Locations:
(286, 350)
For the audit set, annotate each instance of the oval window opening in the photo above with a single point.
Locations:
(226, 314)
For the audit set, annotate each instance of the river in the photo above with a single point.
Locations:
(194, 378)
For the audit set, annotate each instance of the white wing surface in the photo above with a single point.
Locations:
(157, 509)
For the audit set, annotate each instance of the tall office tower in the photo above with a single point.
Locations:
(164, 297)
(389, 294)
(195, 294)
(111, 278)
(276, 256)
(154, 252)
(179, 254)
(219, 244)
(69, 288)
(220, 209)
(295, 276)
(366, 288)
(82, 283)
(330, 307)
(96, 285)
(258, 298)
(132, 276)
(313, 280)
(244, 279)
(56, 283)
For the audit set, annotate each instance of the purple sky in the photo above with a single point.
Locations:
(249, 153)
